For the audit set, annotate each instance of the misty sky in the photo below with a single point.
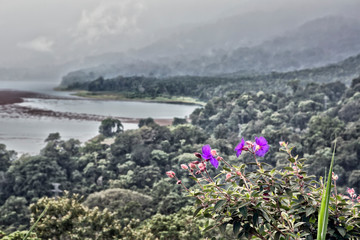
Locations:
(37, 32)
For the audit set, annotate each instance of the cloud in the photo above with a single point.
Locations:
(40, 44)
(109, 18)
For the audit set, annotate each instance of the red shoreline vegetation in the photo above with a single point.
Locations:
(13, 96)
(9, 97)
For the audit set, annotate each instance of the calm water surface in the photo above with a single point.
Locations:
(27, 135)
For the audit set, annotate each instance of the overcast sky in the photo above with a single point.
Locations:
(56, 31)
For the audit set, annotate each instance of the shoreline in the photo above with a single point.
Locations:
(109, 96)
(9, 99)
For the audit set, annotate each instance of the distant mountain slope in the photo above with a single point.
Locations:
(343, 71)
(207, 87)
(244, 30)
(314, 44)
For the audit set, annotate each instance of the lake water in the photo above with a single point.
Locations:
(27, 135)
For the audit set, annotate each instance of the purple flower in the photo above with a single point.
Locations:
(238, 149)
(261, 146)
(206, 154)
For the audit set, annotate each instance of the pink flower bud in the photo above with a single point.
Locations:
(185, 167)
(178, 182)
(192, 165)
(238, 173)
(198, 155)
(197, 172)
(219, 158)
(358, 198)
(351, 192)
(335, 177)
(170, 174)
(228, 175)
(213, 152)
(202, 166)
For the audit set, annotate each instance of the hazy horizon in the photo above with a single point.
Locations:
(42, 33)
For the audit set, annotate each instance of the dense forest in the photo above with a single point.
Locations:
(121, 189)
(205, 88)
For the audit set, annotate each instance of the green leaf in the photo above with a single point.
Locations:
(292, 160)
(36, 223)
(197, 211)
(298, 224)
(324, 209)
(309, 211)
(289, 168)
(256, 218)
(219, 204)
(226, 169)
(349, 228)
(208, 227)
(341, 231)
(236, 227)
(265, 215)
(193, 178)
(277, 236)
(243, 211)
(223, 227)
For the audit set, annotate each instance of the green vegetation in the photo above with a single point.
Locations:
(205, 88)
(253, 200)
(125, 183)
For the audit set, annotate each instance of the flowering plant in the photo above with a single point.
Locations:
(267, 203)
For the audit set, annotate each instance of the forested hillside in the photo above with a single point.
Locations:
(235, 48)
(126, 180)
(205, 88)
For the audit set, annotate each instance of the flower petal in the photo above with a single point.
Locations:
(214, 162)
(261, 146)
(206, 150)
(240, 147)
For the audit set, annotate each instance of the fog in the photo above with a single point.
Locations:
(62, 33)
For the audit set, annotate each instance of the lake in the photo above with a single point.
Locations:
(27, 134)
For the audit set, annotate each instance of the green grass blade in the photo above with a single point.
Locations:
(34, 225)
(324, 210)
